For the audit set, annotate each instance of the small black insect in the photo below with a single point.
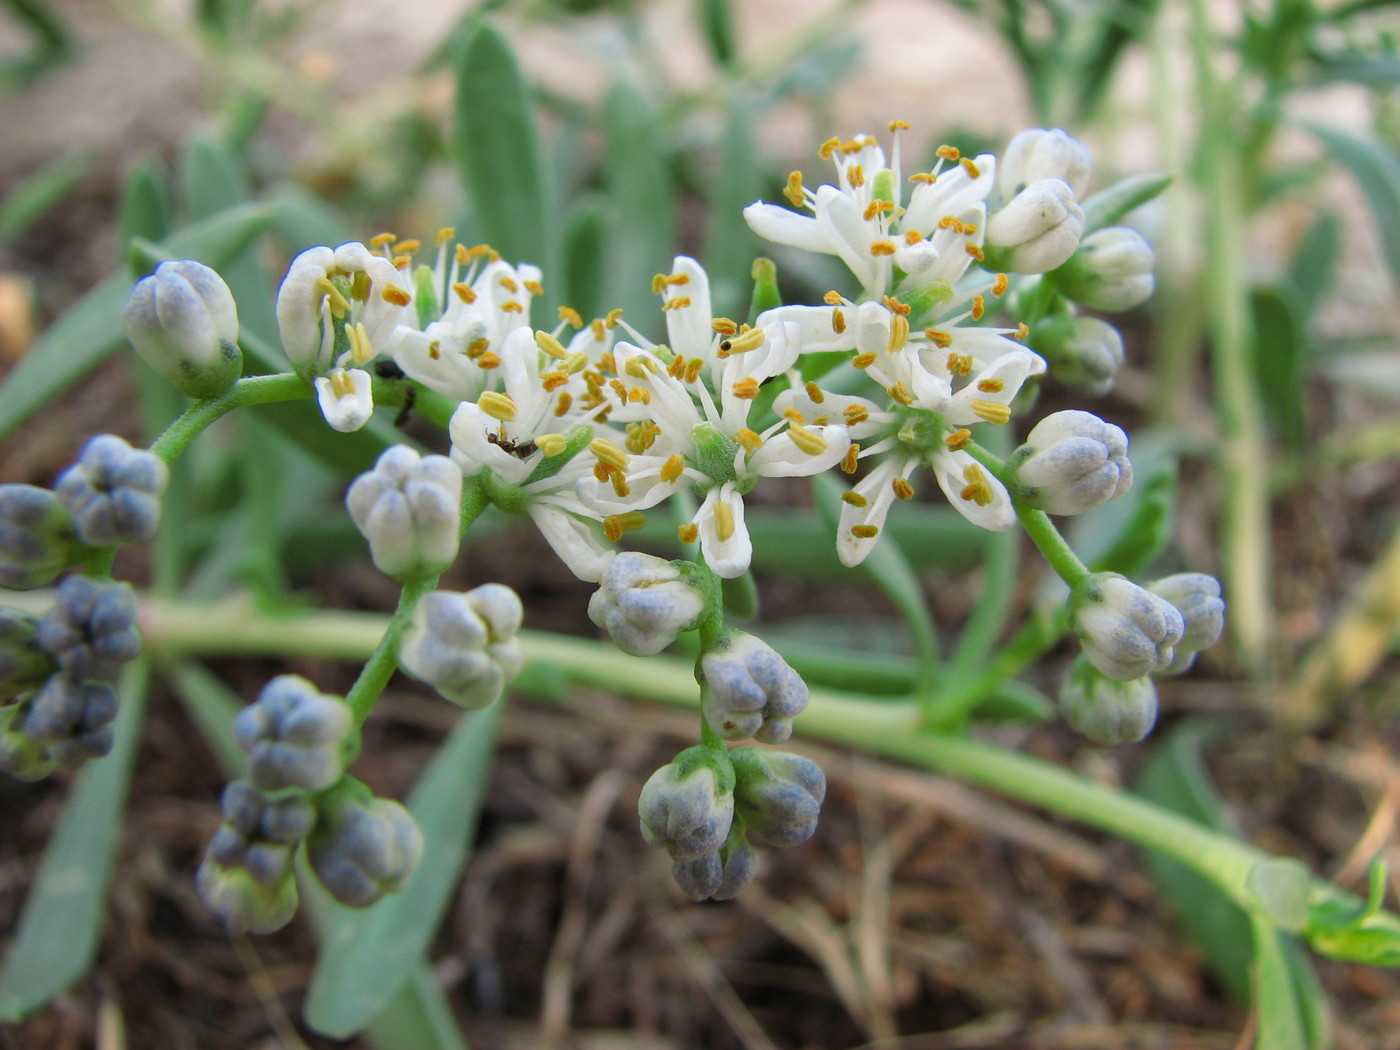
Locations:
(523, 450)
(388, 370)
(410, 398)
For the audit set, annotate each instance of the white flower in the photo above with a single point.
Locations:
(183, 322)
(1197, 597)
(1112, 270)
(346, 397)
(1036, 154)
(1038, 229)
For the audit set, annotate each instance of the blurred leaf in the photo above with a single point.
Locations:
(301, 219)
(1341, 926)
(1356, 68)
(212, 706)
(717, 24)
(1314, 266)
(494, 144)
(583, 277)
(93, 327)
(1376, 169)
(1127, 534)
(1115, 27)
(640, 235)
(145, 208)
(366, 956)
(729, 246)
(53, 42)
(765, 287)
(59, 930)
(1290, 1007)
(1107, 207)
(39, 192)
(740, 597)
(1279, 351)
(1175, 777)
(818, 69)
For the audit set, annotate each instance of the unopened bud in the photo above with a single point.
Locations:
(687, 806)
(37, 540)
(643, 603)
(294, 735)
(72, 719)
(91, 629)
(1038, 153)
(1112, 270)
(113, 492)
(466, 646)
(1071, 462)
(750, 691)
(183, 322)
(244, 904)
(364, 847)
(1037, 230)
(1105, 710)
(1084, 353)
(1197, 597)
(21, 755)
(346, 398)
(1127, 631)
(260, 832)
(24, 663)
(409, 508)
(778, 794)
(719, 874)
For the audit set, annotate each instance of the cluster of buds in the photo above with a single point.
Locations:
(183, 322)
(409, 508)
(298, 742)
(645, 602)
(466, 646)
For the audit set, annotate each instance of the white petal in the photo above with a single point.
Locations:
(816, 326)
(351, 410)
(688, 327)
(573, 540)
(471, 450)
(949, 468)
(783, 226)
(781, 457)
(728, 557)
(878, 493)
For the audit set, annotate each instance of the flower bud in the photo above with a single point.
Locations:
(1037, 230)
(687, 806)
(346, 398)
(465, 645)
(183, 322)
(1127, 631)
(720, 873)
(363, 847)
(24, 663)
(1112, 270)
(1071, 462)
(294, 736)
(750, 691)
(113, 492)
(72, 719)
(91, 629)
(1036, 154)
(37, 540)
(1084, 353)
(244, 904)
(1105, 710)
(778, 794)
(409, 508)
(21, 755)
(1197, 597)
(644, 603)
(260, 832)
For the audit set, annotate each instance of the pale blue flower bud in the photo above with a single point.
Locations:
(37, 540)
(20, 754)
(1127, 631)
(183, 322)
(778, 794)
(113, 492)
(1071, 462)
(1112, 270)
(750, 691)
(72, 719)
(24, 663)
(364, 847)
(644, 603)
(687, 806)
(260, 832)
(409, 508)
(1038, 153)
(294, 735)
(244, 904)
(1197, 597)
(1037, 230)
(91, 629)
(465, 645)
(1105, 710)
(719, 874)
(1084, 353)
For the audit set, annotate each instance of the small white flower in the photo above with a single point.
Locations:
(1197, 597)
(1112, 270)
(1036, 154)
(1127, 631)
(346, 397)
(465, 645)
(183, 322)
(1038, 229)
(643, 603)
(1071, 462)
(409, 508)
(1105, 710)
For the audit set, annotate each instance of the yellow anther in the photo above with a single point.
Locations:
(724, 522)
(497, 405)
(942, 340)
(898, 125)
(745, 341)
(979, 307)
(677, 367)
(342, 384)
(838, 321)
(672, 469)
(408, 247)
(793, 190)
(900, 393)
(723, 326)
(614, 525)
(913, 237)
(746, 389)
(402, 262)
(639, 395)
(477, 347)
(927, 177)
(552, 444)
(878, 207)
(689, 532)
(676, 302)
(611, 318)
(566, 401)
(639, 367)
(1023, 330)
(951, 222)
(596, 326)
(899, 332)
(808, 441)
(959, 364)
(552, 381)
(361, 349)
(814, 393)
(862, 360)
(510, 306)
(991, 386)
(575, 362)
(476, 251)
(694, 368)
(382, 240)
(465, 292)
(865, 532)
(894, 306)
(977, 490)
(488, 360)
(445, 234)
(856, 145)
(848, 461)
(882, 248)
(975, 250)
(969, 228)
(829, 147)
(991, 411)
(620, 486)
(551, 346)
(435, 349)
(658, 283)
(748, 440)
(792, 415)
(396, 295)
(618, 388)
(973, 171)
(853, 414)
(855, 174)
(462, 255)
(948, 152)
(340, 306)
(1000, 284)
(832, 298)
(958, 439)
(902, 488)
(854, 498)
(570, 315)
(609, 454)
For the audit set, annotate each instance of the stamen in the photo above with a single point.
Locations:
(614, 525)
(465, 292)
(569, 314)
(894, 306)
(854, 498)
(610, 319)
(913, 237)
(862, 361)
(724, 522)
(694, 368)
(865, 532)
(855, 175)
(828, 147)
(814, 393)
(597, 327)
(1000, 284)
(808, 441)
(674, 466)
(959, 364)
(975, 251)
(382, 240)
(510, 306)
(689, 532)
(342, 385)
(534, 287)
(340, 306)
(991, 386)
(958, 439)
(576, 362)
(566, 401)
(900, 393)
(402, 262)
(497, 405)
(991, 411)
(435, 349)
(608, 453)
(902, 488)
(882, 248)
(793, 190)
(676, 367)
(973, 171)
(1023, 330)
(488, 360)
(396, 295)
(639, 394)
(979, 307)
(462, 255)
(552, 444)
(361, 350)
(848, 461)
(854, 414)
(679, 302)
(746, 389)
(977, 490)
(926, 177)
(746, 341)
(723, 326)
(899, 332)
(792, 415)
(948, 152)
(749, 440)
(408, 247)
(552, 381)
(898, 125)
(838, 321)
(444, 235)
(551, 346)
(832, 298)
(477, 347)
(620, 486)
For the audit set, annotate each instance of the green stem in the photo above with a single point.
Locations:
(252, 390)
(102, 560)
(712, 632)
(380, 666)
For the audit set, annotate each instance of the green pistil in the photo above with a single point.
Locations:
(921, 431)
(714, 453)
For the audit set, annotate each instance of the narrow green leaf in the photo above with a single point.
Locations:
(1313, 267)
(144, 210)
(583, 277)
(367, 956)
(717, 25)
(730, 246)
(302, 219)
(498, 156)
(1278, 1010)
(1280, 370)
(1110, 205)
(1376, 169)
(212, 706)
(93, 327)
(61, 925)
(418, 1018)
(39, 192)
